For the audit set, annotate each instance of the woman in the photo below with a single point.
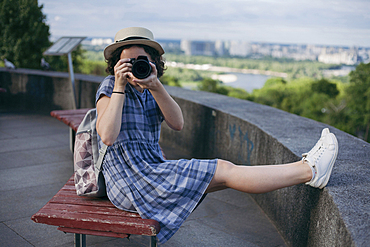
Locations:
(130, 113)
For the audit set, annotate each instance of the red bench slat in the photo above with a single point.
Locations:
(81, 201)
(102, 223)
(92, 209)
(72, 118)
(69, 112)
(95, 215)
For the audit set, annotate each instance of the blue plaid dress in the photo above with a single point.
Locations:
(137, 176)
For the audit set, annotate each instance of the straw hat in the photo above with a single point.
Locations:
(132, 36)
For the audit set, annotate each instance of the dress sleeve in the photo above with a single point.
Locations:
(105, 88)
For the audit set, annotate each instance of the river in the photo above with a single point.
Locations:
(250, 79)
(247, 82)
(247, 79)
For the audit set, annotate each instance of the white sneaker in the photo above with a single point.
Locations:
(324, 132)
(322, 158)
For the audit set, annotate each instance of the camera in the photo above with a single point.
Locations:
(141, 67)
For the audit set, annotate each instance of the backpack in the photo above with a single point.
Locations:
(88, 176)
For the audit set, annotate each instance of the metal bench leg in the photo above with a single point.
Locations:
(80, 240)
(153, 241)
(77, 240)
(83, 240)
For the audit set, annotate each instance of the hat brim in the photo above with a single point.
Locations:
(112, 47)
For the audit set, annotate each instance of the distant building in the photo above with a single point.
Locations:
(324, 54)
(101, 41)
(220, 48)
(331, 56)
(170, 45)
(97, 41)
(364, 55)
(204, 48)
(240, 48)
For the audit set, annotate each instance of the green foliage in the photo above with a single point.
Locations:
(237, 93)
(187, 74)
(214, 86)
(358, 99)
(305, 97)
(24, 35)
(274, 81)
(91, 67)
(94, 55)
(210, 85)
(282, 95)
(170, 81)
(326, 87)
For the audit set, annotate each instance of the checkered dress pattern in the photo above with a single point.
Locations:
(137, 176)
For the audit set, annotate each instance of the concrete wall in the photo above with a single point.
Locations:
(252, 134)
(247, 134)
(45, 90)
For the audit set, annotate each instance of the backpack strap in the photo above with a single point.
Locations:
(102, 152)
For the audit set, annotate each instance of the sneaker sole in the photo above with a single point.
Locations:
(331, 163)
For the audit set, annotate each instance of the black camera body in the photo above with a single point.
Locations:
(141, 67)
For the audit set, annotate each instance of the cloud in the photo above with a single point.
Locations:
(286, 21)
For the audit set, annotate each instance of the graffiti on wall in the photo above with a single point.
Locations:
(246, 145)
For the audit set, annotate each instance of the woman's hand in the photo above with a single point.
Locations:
(122, 73)
(151, 82)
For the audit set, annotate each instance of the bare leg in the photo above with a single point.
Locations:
(258, 179)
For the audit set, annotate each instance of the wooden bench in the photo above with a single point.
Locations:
(72, 118)
(90, 216)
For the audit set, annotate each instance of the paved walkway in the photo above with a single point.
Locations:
(35, 162)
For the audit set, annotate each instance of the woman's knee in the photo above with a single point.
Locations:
(223, 170)
(220, 178)
(224, 165)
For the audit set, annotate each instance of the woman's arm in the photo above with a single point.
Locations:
(170, 109)
(108, 124)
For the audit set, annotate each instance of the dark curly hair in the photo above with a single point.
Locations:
(153, 53)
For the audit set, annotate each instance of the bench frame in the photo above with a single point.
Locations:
(83, 215)
(92, 216)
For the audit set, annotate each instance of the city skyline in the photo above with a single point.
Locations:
(325, 54)
(318, 22)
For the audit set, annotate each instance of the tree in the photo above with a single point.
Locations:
(358, 101)
(274, 80)
(24, 35)
(210, 85)
(170, 80)
(326, 87)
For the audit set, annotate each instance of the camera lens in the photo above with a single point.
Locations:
(141, 68)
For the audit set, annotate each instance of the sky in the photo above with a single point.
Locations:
(320, 22)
